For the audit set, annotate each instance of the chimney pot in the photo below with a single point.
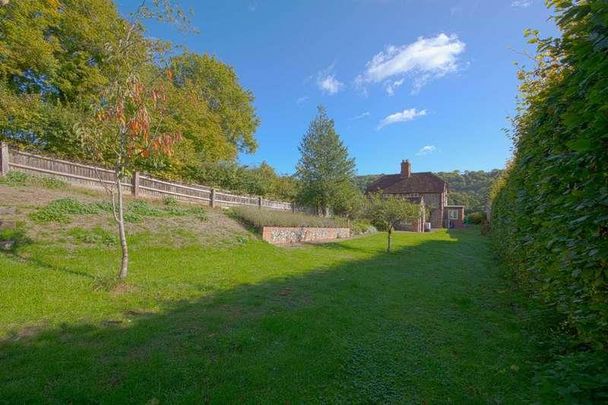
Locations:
(406, 168)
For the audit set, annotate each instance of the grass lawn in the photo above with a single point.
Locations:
(250, 322)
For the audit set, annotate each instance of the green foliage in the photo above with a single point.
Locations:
(325, 170)
(476, 218)
(362, 226)
(470, 188)
(259, 180)
(95, 236)
(386, 211)
(550, 211)
(219, 119)
(20, 179)
(63, 210)
(59, 58)
(259, 218)
(16, 236)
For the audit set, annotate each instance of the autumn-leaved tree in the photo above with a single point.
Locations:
(386, 212)
(130, 125)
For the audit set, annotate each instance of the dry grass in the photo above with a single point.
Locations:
(259, 218)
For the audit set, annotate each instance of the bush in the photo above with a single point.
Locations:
(259, 218)
(362, 227)
(476, 218)
(63, 209)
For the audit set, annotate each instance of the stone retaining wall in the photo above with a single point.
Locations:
(287, 235)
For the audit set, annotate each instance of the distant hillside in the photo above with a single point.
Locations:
(468, 188)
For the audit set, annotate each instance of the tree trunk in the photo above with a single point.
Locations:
(390, 232)
(120, 218)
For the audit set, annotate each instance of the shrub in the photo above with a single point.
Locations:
(476, 218)
(362, 227)
(259, 218)
(63, 209)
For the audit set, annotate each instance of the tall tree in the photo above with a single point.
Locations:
(325, 170)
(54, 60)
(58, 59)
(227, 114)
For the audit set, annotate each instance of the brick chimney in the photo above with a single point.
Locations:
(406, 168)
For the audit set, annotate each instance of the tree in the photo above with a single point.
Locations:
(54, 64)
(57, 60)
(387, 211)
(128, 126)
(325, 170)
(228, 116)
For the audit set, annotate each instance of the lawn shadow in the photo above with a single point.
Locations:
(386, 329)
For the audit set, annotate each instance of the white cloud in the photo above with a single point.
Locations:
(424, 59)
(403, 116)
(327, 82)
(425, 150)
(302, 100)
(521, 3)
(391, 86)
(362, 115)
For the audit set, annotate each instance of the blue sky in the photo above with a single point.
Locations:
(433, 81)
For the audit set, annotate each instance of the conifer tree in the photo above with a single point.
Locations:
(325, 170)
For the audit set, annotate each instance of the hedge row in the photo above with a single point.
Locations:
(550, 209)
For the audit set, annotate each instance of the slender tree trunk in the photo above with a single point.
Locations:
(120, 218)
(390, 232)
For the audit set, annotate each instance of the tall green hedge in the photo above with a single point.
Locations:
(550, 209)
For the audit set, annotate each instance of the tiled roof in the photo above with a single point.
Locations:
(424, 182)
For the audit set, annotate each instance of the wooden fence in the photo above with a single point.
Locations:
(138, 185)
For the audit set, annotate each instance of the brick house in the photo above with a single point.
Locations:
(424, 187)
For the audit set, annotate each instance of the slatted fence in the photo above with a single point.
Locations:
(139, 184)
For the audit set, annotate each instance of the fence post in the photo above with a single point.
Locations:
(3, 159)
(259, 202)
(293, 207)
(135, 188)
(212, 198)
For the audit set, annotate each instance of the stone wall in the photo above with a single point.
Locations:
(287, 235)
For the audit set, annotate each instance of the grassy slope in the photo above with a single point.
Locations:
(256, 323)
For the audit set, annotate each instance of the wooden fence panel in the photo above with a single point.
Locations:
(96, 177)
(152, 187)
(75, 173)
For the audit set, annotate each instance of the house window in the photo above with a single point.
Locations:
(453, 214)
